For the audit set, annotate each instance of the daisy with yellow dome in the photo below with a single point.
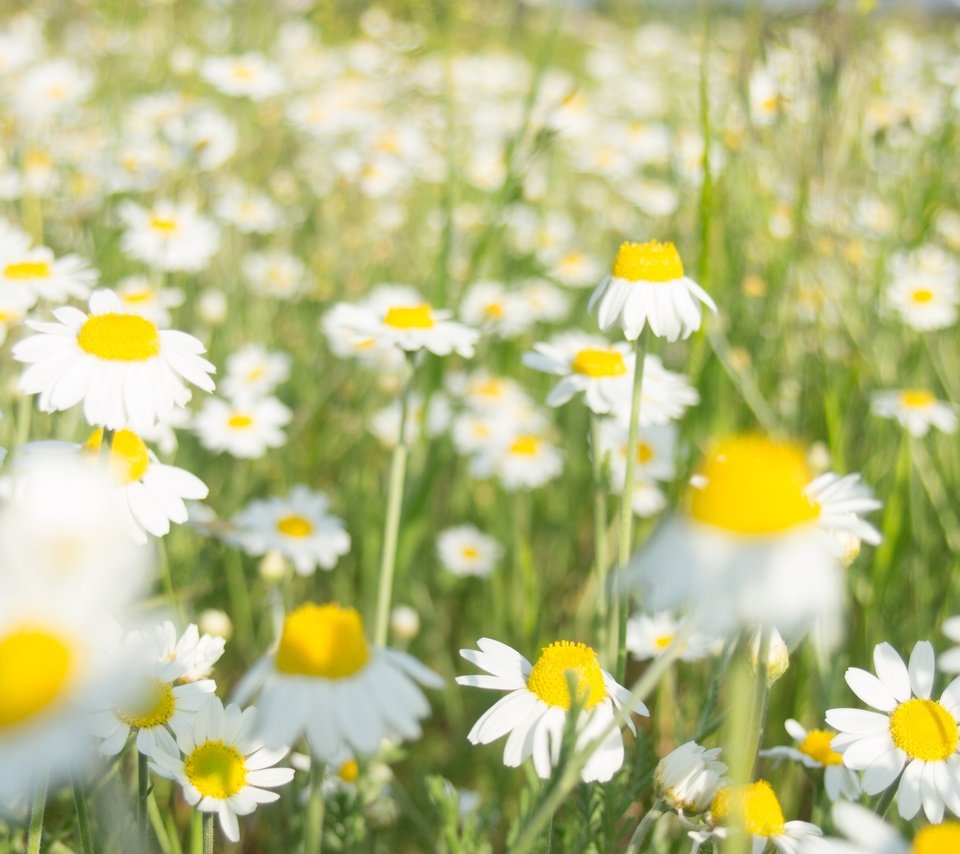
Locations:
(812, 750)
(864, 832)
(647, 287)
(917, 410)
(534, 712)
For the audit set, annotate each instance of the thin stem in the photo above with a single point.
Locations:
(761, 694)
(239, 594)
(930, 478)
(645, 826)
(143, 789)
(601, 558)
(35, 834)
(83, 819)
(208, 832)
(391, 530)
(313, 831)
(625, 543)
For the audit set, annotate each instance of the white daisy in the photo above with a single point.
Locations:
(646, 286)
(912, 737)
(490, 306)
(249, 211)
(248, 74)
(223, 767)
(197, 652)
(648, 635)
(253, 370)
(275, 274)
(664, 396)
(813, 750)
(925, 289)
(244, 428)
(840, 501)
(547, 303)
(655, 451)
(138, 296)
(525, 460)
(534, 712)
(168, 236)
(917, 410)
(126, 372)
(575, 269)
(297, 526)
(688, 777)
(466, 550)
(36, 273)
(326, 682)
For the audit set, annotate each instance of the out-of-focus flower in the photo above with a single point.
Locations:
(169, 236)
(813, 750)
(243, 428)
(465, 550)
(688, 777)
(248, 75)
(916, 410)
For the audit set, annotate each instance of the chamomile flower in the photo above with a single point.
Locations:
(125, 371)
(491, 307)
(297, 526)
(916, 410)
(647, 286)
(840, 501)
(925, 288)
(911, 737)
(274, 274)
(13, 311)
(220, 763)
(155, 492)
(864, 832)
(648, 635)
(247, 75)
(535, 710)
(602, 371)
(754, 809)
(745, 548)
(248, 211)
(413, 327)
(688, 777)
(196, 652)
(575, 269)
(664, 396)
(244, 428)
(138, 296)
(255, 371)
(524, 460)
(37, 274)
(655, 451)
(169, 236)
(466, 550)
(326, 682)
(813, 750)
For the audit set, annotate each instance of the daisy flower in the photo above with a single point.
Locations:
(154, 492)
(491, 307)
(326, 682)
(274, 274)
(664, 396)
(547, 303)
(839, 502)
(465, 550)
(138, 296)
(866, 833)
(13, 311)
(169, 236)
(197, 652)
(484, 392)
(248, 211)
(255, 371)
(813, 750)
(575, 269)
(525, 460)
(247, 75)
(36, 274)
(655, 451)
(646, 286)
(534, 712)
(917, 410)
(648, 635)
(297, 526)
(243, 428)
(755, 809)
(220, 763)
(924, 290)
(600, 370)
(911, 737)
(688, 777)
(125, 371)
(153, 698)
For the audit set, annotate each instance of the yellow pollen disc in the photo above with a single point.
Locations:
(648, 262)
(548, 678)
(816, 745)
(294, 526)
(644, 452)
(322, 640)
(593, 362)
(21, 270)
(470, 553)
(154, 709)
(217, 770)
(490, 388)
(239, 421)
(494, 311)
(753, 807)
(242, 72)
(137, 296)
(526, 445)
(255, 373)
(922, 295)
(119, 337)
(937, 838)
(923, 729)
(754, 486)
(34, 671)
(349, 771)
(410, 317)
(663, 641)
(916, 398)
(129, 459)
(164, 225)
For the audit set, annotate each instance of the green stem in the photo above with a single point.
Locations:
(893, 515)
(391, 530)
(83, 819)
(239, 594)
(624, 545)
(933, 485)
(601, 558)
(645, 826)
(143, 789)
(313, 831)
(208, 832)
(761, 695)
(35, 834)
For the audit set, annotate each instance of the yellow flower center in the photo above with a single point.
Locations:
(129, 459)
(916, 398)
(491, 388)
(922, 295)
(242, 72)
(923, 729)
(256, 373)
(594, 362)
(648, 262)
(349, 771)
(154, 708)
(137, 295)
(525, 445)
(119, 337)
(937, 838)
(410, 317)
(35, 668)
(21, 270)
(239, 421)
(816, 745)
(165, 225)
(494, 311)
(217, 770)
(548, 679)
(754, 486)
(294, 526)
(644, 452)
(663, 641)
(753, 807)
(470, 553)
(322, 640)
